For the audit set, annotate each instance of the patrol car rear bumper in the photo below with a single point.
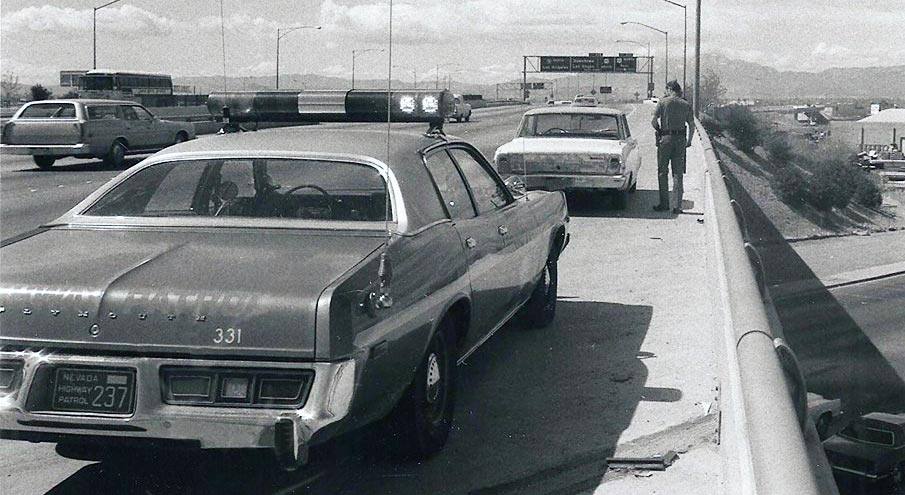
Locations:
(289, 431)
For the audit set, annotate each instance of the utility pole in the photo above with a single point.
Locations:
(697, 61)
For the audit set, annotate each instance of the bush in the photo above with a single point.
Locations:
(712, 125)
(791, 186)
(867, 192)
(744, 127)
(778, 148)
(832, 185)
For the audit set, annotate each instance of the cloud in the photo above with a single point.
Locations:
(125, 20)
(824, 50)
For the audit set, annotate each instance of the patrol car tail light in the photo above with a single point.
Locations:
(236, 387)
(333, 106)
(614, 166)
(10, 376)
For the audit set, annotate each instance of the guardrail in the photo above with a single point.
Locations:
(769, 444)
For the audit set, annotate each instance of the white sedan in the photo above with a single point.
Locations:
(569, 148)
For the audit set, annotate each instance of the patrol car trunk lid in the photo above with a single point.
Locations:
(176, 292)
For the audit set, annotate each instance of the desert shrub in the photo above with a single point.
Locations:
(867, 192)
(791, 186)
(832, 185)
(712, 125)
(744, 127)
(778, 148)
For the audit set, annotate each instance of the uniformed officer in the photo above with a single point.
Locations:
(670, 119)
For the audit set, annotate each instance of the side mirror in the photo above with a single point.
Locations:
(516, 185)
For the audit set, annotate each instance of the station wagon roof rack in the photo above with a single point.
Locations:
(429, 106)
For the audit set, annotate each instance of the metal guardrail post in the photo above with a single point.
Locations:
(771, 452)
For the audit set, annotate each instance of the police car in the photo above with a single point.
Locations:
(274, 289)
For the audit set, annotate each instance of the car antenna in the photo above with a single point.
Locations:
(384, 270)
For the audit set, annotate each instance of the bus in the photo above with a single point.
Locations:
(151, 90)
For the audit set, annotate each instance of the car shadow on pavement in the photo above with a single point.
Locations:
(600, 204)
(535, 407)
(838, 359)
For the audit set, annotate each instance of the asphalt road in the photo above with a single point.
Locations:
(531, 403)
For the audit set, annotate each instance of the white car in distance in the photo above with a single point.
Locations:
(573, 148)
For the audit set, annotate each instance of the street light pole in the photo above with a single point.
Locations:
(279, 37)
(354, 52)
(650, 90)
(697, 60)
(665, 33)
(684, 43)
(94, 31)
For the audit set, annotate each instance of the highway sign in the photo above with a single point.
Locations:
(585, 64)
(605, 90)
(556, 64)
(626, 64)
(592, 63)
(607, 64)
(626, 55)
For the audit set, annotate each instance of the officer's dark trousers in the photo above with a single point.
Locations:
(671, 149)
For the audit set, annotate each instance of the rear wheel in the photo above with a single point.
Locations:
(181, 137)
(44, 162)
(117, 154)
(468, 117)
(422, 420)
(634, 185)
(541, 307)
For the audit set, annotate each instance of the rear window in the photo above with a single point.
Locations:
(48, 111)
(259, 188)
(570, 125)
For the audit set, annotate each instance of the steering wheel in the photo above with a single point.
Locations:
(318, 189)
(558, 130)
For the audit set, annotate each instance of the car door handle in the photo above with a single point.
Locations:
(503, 230)
(470, 243)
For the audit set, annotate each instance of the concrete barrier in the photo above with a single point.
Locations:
(767, 449)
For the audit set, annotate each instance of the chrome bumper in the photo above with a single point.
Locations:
(555, 182)
(46, 149)
(210, 427)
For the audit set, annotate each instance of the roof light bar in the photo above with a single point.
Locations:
(356, 105)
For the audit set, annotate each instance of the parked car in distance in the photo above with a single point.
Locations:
(462, 110)
(871, 447)
(274, 289)
(109, 129)
(653, 101)
(823, 412)
(571, 148)
(584, 101)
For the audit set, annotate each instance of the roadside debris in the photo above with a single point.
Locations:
(656, 463)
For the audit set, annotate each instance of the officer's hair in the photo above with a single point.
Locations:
(674, 86)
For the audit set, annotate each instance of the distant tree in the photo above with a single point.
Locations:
(39, 92)
(712, 90)
(10, 89)
(70, 95)
(637, 94)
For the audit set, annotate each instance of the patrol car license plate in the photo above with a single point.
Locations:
(94, 390)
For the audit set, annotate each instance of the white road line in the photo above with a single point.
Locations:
(307, 481)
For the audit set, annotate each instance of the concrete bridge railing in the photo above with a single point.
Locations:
(769, 444)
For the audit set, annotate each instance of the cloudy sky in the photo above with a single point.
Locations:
(483, 40)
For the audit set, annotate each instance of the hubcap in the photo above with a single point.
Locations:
(433, 378)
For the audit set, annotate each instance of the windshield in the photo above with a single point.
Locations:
(259, 188)
(570, 125)
(861, 432)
